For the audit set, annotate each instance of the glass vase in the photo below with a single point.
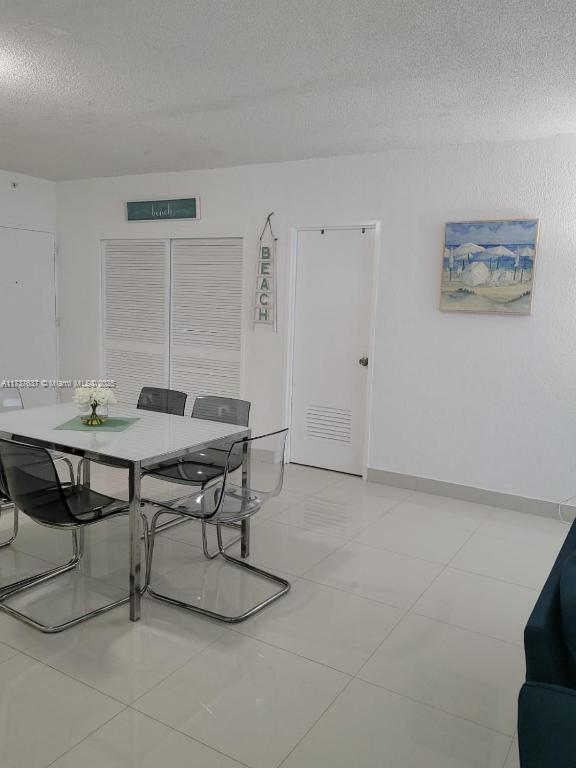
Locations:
(95, 415)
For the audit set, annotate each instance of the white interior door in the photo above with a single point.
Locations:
(28, 311)
(334, 274)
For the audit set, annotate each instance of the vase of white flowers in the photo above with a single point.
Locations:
(93, 403)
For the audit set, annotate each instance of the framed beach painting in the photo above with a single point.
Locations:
(488, 266)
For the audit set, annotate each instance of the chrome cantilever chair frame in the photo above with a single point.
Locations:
(165, 509)
(76, 528)
(10, 590)
(8, 505)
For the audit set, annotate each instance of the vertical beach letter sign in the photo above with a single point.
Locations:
(265, 293)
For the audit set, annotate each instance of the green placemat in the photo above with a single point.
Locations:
(112, 424)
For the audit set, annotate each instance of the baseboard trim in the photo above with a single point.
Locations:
(465, 492)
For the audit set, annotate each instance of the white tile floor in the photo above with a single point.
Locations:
(398, 646)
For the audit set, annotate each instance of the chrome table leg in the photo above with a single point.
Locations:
(134, 483)
(245, 524)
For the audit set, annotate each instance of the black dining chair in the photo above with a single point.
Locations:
(162, 400)
(11, 400)
(201, 468)
(30, 478)
(227, 502)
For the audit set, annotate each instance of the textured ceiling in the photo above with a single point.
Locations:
(107, 87)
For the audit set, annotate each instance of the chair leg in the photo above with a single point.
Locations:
(285, 585)
(10, 589)
(33, 581)
(212, 556)
(80, 474)
(179, 520)
(70, 468)
(14, 528)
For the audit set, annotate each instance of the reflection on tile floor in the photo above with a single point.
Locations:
(398, 645)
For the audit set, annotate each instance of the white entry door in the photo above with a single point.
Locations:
(334, 275)
(28, 311)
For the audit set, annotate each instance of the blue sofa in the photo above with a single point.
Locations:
(547, 701)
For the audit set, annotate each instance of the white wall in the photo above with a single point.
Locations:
(29, 205)
(488, 401)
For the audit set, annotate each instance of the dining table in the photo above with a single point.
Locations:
(149, 439)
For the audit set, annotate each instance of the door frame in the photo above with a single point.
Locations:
(376, 226)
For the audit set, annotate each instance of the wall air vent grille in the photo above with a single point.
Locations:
(328, 423)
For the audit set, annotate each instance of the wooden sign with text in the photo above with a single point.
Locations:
(265, 293)
(160, 210)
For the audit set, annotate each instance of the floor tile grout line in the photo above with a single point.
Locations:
(509, 752)
(351, 505)
(291, 652)
(407, 611)
(316, 721)
(328, 532)
(375, 651)
(412, 612)
(396, 552)
(460, 626)
(88, 735)
(411, 606)
(181, 666)
(11, 648)
(364, 597)
(47, 664)
(434, 707)
(351, 594)
(496, 578)
(446, 565)
(65, 674)
(188, 736)
(337, 549)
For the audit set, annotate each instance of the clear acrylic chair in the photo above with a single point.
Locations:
(228, 502)
(11, 400)
(30, 478)
(204, 467)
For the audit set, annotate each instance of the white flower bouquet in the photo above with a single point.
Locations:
(89, 399)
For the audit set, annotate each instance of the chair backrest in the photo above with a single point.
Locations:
(228, 410)
(32, 483)
(264, 466)
(162, 400)
(10, 399)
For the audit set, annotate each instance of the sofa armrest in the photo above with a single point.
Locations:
(547, 726)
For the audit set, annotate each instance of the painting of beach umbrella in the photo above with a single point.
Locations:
(499, 251)
(464, 251)
(449, 256)
(525, 253)
(488, 266)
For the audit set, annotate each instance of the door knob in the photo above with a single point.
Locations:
(363, 361)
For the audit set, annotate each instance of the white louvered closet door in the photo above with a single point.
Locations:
(206, 317)
(136, 284)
